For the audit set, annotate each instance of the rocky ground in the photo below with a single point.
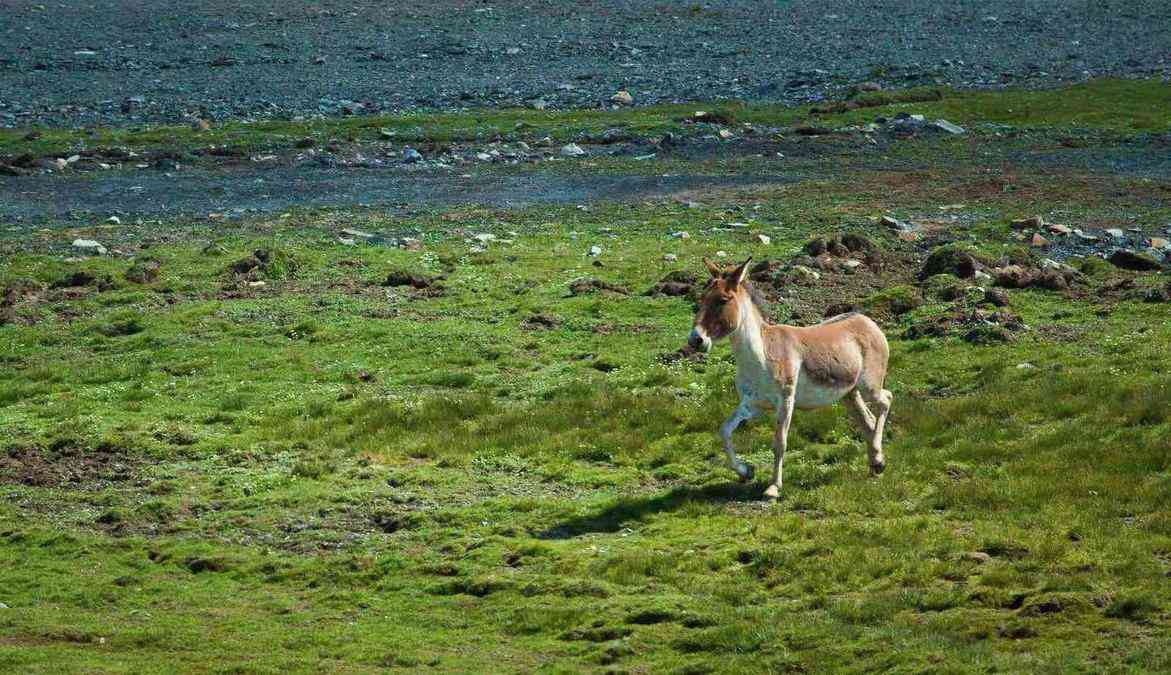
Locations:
(129, 62)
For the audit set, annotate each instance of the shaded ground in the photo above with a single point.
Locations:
(130, 61)
(246, 189)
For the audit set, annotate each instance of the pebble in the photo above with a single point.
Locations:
(357, 234)
(572, 150)
(764, 239)
(682, 234)
(721, 254)
(806, 273)
(483, 157)
(670, 257)
(484, 237)
(595, 251)
(725, 134)
(1116, 233)
(622, 97)
(411, 155)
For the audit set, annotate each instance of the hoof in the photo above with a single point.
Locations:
(877, 469)
(772, 493)
(745, 471)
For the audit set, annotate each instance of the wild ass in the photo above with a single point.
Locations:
(789, 367)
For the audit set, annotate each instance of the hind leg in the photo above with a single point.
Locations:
(860, 413)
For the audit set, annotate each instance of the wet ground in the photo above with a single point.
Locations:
(129, 61)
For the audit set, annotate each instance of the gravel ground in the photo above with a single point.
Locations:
(129, 61)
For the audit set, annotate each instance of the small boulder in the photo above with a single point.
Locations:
(572, 150)
(89, 247)
(622, 97)
(1133, 260)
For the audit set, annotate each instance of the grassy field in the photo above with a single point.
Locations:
(289, 465)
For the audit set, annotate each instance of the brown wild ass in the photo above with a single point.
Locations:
(787, 367)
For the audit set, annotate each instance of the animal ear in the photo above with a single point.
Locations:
(715, 270)
(738, 275)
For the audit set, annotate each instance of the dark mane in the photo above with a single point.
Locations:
(757, 298)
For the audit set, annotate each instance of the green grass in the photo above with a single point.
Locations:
(1117, 106)
(322, 473)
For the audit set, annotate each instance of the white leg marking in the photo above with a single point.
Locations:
(743, 412)
(877, 459)
(781, 440)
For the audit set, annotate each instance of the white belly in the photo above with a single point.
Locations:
(809, 394)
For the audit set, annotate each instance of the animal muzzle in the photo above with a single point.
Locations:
(698, 341)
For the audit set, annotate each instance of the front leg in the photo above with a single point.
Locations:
(781, 438)
(743, 412)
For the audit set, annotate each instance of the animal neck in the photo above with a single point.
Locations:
(748, 338)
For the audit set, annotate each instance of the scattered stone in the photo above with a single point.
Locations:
(357, 234)
(944, 125)
(982, 277)
(410, 244)
(896, 224)
(1037, 241)
(89, 246)
(1024, 366)
(726, 134)
(979, 557)
(114, 220)
(682, 234)
(670, 257)
(1115, 233)
(411, 155)
(1088, 238)
(1032, 222)
(1160, 244)
(1062, 230)
(572, 150)
(483, 157)
(484, 238)
(595, 251)
(763, 239)
(850, 265)
(622, 97)
(804, 274)
(1133, 260)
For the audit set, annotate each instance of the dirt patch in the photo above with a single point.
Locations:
(66, 464)
(586, 286)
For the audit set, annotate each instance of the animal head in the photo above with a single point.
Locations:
(719, 309)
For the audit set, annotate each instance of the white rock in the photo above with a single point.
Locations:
(484, 237)
(721, 254)
(512, 51)
(1050, 264)
(806, 273)
(622, 97)
(944, 125)
(346, 242)
(1025, 366)
(670, 257)
(982, 277)
(764, 239)
(682, 234)
(1116, 233)
(725, 134)
(737, 224)
(572, 150)
(851, 265)
(357, 234)
(89, 246)
(595, 251)
(483, 157)
(114, 220)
